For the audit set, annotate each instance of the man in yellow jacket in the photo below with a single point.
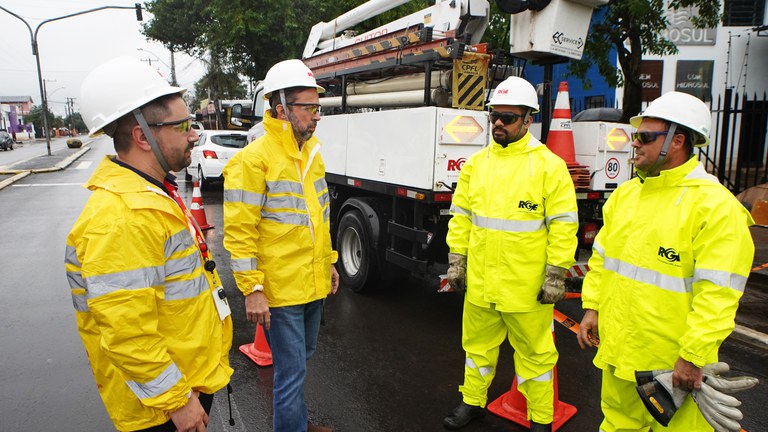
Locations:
(667, 268)
(277, 229)
(145, 292)
(511, 239)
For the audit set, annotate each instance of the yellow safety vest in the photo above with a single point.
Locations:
(276, 217)
(514, 211)
(667, 270)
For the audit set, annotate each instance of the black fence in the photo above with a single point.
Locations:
(737, 152)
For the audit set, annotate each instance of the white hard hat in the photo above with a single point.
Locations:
(287, 74)
(517, 92)
(116, 88)
(683, 109)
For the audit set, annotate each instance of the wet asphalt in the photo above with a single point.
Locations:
(388, 360)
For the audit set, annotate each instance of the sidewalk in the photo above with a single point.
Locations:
(58, 160)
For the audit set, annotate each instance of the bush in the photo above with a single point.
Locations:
(74, 143)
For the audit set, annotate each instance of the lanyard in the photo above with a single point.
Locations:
(209, 263)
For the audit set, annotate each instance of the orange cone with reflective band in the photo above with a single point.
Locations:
(258, 351)
(560, 138)
(513, 406)
(197, 209)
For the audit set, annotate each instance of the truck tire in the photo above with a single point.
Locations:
(357, 262)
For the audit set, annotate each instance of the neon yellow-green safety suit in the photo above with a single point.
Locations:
(144, 304)
(276, 215)
(514, 211)
(666, 274)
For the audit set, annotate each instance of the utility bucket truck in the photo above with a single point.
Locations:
(404, 107)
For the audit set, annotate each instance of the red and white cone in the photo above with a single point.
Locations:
(197, 209)
(560, 138)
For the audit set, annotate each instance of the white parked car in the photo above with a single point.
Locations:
(212, 152)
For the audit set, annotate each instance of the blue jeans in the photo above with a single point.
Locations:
(292, 337)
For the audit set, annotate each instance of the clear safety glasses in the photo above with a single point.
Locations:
(308, 107)
(182, 126)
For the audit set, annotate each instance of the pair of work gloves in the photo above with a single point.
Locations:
(553, 289)
(714, 400)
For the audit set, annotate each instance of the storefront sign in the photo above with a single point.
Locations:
(651, 73)
(695, 78)
(681, 31)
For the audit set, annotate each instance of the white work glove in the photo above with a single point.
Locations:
(717, 407)
(457, 272)
(553, 289)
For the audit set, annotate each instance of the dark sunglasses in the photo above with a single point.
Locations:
(507, 118)
(182, 126)
(647, 137)
(308, 107)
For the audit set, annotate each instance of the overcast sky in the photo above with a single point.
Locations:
(71, 47)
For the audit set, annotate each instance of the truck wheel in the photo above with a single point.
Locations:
(356, 259)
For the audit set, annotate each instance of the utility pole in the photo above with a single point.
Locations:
(36, 53)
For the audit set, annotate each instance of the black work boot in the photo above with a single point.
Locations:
(538, 427)
(462, 415)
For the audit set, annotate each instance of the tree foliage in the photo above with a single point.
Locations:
(247, 37)
(35, 117)
(633, 28)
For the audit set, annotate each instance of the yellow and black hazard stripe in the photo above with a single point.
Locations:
(470, 75)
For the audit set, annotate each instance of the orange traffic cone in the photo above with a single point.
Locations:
(560, 138)
(258, 351)
(513, 406)
(197, 209)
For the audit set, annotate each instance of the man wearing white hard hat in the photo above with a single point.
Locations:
(277, 229)
(145, 290)
(511, 238)
(667, 271)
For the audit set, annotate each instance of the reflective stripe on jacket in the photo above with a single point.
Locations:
(143, 301)
(667, 270)
(514, 211)
(276, 217)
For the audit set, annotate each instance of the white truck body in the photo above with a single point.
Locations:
(421, 148)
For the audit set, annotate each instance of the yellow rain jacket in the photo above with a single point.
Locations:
(143, 301)
(276, 217)
(667, 270)
(514, 211)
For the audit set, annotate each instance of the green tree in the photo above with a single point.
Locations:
(633, 28)
(249, 36)
(35, 117)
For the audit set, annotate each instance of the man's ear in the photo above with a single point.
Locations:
(280, 109)
(140, 139)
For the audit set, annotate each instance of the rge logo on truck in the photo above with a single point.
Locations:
(456, 164)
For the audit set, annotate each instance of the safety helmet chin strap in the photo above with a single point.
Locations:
(664, 149)
(522, 124)
(289, 117)
(151, 138)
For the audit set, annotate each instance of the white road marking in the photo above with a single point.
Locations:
(47, 184)
(83, 165)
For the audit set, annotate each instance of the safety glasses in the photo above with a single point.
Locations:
(507, 118)
(182, 126)
(647, 137)
(308, 107)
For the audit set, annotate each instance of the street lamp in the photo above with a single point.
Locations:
(36, 53)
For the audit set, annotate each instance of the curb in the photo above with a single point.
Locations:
(65, 163)
(750, 336)
(17, 177)
(20, 174)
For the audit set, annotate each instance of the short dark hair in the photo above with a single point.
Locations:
(153, 112)
(689, 135)
(290, 97)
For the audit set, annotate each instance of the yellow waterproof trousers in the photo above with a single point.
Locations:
(625, 412)
(530, 334)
